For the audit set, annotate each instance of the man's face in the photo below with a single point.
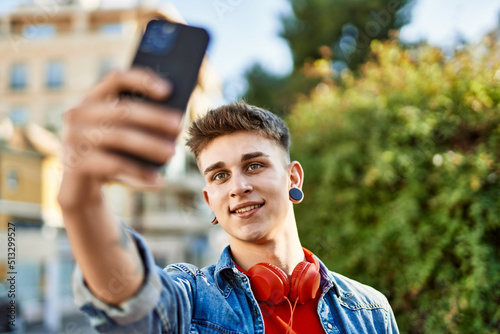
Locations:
(247, 181)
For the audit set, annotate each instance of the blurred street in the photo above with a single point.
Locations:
(35, 94)
(71, 325)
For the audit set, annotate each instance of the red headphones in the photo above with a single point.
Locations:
(271, 284)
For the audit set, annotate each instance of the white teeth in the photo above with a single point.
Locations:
(248, 208)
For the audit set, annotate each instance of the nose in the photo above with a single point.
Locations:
(240, 185)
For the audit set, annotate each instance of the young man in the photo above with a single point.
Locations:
(263, 281)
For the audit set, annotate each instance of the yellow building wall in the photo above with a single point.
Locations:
(28, 166)
(29, 169)
(4, 219)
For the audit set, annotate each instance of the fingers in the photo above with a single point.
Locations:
(84, 134)
(103, 131)
(148, 117)
(140, 81)
(111, 166)
(147, 146)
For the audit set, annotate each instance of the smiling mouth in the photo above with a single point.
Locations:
(248, 208)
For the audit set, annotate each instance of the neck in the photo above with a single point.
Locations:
(283, 250)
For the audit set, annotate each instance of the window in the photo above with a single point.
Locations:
(54, 76)
(112, 29)
(67, 267)
(18, 116)
(39, 31)
(53, 118)
(18, 76)
(29, 282)
(12, 180)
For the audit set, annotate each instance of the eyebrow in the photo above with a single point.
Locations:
(214, 166)
(253, 155)
(244, 157)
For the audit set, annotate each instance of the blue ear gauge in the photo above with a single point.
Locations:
(296, 194)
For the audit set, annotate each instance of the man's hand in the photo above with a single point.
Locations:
(99, 133)
(102, 129)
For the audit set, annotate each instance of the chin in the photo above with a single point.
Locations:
(252, 234)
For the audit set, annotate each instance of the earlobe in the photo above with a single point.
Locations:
(213, 219)
(296, 180)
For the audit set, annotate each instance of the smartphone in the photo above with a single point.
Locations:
(175, 52)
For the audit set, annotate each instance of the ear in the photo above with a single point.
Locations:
(296, 174)
(206, 198)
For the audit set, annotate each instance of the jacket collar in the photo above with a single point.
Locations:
(327, 279)
(226, 273)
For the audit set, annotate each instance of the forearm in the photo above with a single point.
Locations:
(100, 133)
(106, 254)
(163, 304)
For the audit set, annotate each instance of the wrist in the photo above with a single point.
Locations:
(79, 194)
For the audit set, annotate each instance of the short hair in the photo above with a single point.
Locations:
(234, 117)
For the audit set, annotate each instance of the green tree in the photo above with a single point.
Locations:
(337, 29)
(402, 187)
(347, 27)
(276, 93)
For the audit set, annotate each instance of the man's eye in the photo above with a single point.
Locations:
(219, 176)
(254, 166)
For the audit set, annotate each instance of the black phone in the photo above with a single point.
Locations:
(175, 52)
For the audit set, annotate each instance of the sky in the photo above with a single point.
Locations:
(244, 32)
(439, 21)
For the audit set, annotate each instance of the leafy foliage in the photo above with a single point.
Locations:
(275, 93)
(347, 27)
(402, 187)
(323, 29)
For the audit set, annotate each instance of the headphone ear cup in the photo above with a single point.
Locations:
(304, 283)
(269, 283)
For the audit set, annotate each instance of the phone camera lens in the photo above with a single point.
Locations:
(159, 38)
(168, 28)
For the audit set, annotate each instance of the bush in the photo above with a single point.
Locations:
(402, 181)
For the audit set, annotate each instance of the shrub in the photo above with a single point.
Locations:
(402, 182)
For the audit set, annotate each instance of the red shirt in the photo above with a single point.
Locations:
(305, 317)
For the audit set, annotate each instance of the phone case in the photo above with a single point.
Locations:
(175, 52)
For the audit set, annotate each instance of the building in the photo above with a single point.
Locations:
(51, 52)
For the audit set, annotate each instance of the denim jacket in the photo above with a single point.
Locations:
(218, 299)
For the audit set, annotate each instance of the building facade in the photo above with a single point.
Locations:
(51, 52)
